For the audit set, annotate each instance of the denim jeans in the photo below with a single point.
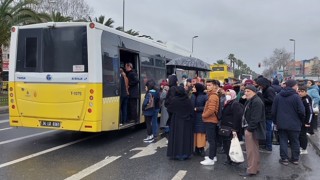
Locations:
(155, 125)
(211, 134)
(269, 134)
(293, 137)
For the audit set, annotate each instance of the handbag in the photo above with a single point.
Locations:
(151, 102)
(225, 131)
(235, 152)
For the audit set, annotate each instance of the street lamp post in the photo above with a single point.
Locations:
(294, 48)
(123, 6)
(192, 43)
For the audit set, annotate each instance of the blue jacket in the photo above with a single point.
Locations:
(288, 111)
(199, 101)
(150, 111)
(313, 92)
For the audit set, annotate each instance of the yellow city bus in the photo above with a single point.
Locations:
(221, 72)
(66, 75)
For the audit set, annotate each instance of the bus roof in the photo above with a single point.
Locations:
(164, 46)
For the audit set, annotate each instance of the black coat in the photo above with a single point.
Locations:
(288, 110)
(268, 95)
(232, 115)
(198, 102)
(255, 117)
(180, 142)
(172, 90)
(133, 84)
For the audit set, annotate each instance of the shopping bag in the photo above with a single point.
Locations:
(235, 151)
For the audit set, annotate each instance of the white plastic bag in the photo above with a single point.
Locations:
(235, 151)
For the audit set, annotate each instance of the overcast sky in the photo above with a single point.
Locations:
(250, 29)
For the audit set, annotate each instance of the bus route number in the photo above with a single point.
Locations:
(76, 93)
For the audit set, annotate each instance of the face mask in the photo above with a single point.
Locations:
(228, 97)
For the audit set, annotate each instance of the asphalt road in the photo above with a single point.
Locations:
(27, 153)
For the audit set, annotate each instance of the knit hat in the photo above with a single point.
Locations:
(251, 87)
(227, 86)
(164, 83)
(248, 81)
(291, 83)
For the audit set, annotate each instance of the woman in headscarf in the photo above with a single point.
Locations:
(231, 117)
(180, 142)
(199, 99)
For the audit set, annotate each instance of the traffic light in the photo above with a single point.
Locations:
(259, 65)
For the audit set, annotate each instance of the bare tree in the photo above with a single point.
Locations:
(278, 60)
(76, 9)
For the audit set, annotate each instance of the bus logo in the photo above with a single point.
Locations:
(49, 77)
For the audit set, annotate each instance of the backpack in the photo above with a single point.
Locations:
(150, 103)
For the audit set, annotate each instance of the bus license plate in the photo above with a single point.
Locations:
(50, 123)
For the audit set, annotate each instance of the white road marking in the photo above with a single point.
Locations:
(4, 121)
(43, 152)
(180, 175)
(150, 149)
(5, 129)
(91, 169)
(25, 137)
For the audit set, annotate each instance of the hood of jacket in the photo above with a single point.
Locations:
(264, 82)
(172, 80)
(288, 91)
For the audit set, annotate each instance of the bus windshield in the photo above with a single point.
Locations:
(52, 50)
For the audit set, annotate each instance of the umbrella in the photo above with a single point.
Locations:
(189, 63)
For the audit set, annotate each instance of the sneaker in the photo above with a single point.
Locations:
(207, 162)
(284, 162)
(295, 162)
(149, 141)
(148, 138)
(214, 159)
(303, 151)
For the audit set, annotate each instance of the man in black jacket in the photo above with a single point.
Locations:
(133, 92)
(254, 122)
(268, 94)
(288, 114)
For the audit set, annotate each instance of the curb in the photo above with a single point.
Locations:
(315, 141)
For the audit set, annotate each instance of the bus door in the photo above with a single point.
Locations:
(133, 106)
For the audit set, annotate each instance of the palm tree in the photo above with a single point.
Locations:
(101, 20)
(132, 32)
(240, 63)
(220, 62)
(15, 13)
(54, 17)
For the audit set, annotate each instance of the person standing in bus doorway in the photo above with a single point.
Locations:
(133, 92)
(124, 95)
(210, 119)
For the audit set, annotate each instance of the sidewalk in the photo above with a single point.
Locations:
(314, 140)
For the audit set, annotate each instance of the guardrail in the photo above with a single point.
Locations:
(3, 99)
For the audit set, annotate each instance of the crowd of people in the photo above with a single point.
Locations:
(256, 111)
